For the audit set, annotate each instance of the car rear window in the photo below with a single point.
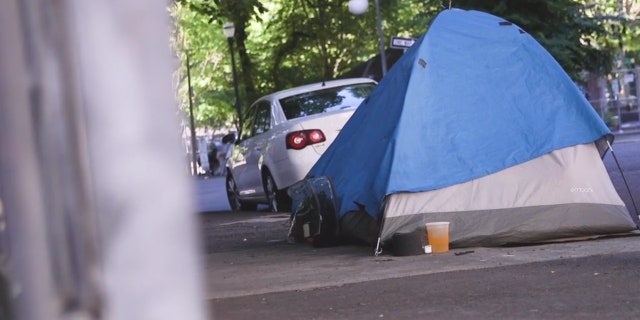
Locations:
(325, 100)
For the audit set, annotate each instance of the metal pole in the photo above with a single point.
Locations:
(192, 122)
(637, 81)
(235, 84)
(383, 56)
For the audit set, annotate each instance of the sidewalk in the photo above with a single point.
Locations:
(587, 280)
(264, 275)
(629, 132)
(281, 267)
(628, 128)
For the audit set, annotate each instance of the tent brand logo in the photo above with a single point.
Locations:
(582, 189)
(422, 63)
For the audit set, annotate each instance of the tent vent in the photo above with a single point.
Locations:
(422, 63)
(505, 23)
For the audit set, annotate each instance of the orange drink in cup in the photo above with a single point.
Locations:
(438, 236)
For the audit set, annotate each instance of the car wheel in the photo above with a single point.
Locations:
(279, 200)
(234, 201)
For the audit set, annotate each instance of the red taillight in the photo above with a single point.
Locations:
(296, 140)
(316, 136)
(299, 139)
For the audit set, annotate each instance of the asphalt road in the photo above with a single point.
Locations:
(253, 272)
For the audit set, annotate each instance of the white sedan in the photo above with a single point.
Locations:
(282, 137)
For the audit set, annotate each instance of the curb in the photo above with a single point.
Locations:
(626, 132)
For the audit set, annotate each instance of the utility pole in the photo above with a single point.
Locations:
(192, 121)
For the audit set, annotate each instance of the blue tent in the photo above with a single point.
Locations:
(473, 96)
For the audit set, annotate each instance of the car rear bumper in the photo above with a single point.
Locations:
(294, 167)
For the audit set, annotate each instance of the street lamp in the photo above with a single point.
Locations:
(229, 32)
(358, 7)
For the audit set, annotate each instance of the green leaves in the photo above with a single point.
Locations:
(560, 26)
(284, 43)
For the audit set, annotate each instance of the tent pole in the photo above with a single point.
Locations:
(623, 177)
(378, 250)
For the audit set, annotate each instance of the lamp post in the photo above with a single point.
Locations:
(229, 31)
(383, 55)
(358, 7)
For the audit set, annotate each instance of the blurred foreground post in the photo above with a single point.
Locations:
(96, 214)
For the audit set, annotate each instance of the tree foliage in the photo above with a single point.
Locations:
(621, 21)
(284, 43)
(558, 25)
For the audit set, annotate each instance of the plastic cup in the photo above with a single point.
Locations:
(438, 236)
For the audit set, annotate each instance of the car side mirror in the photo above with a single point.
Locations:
(229, 138)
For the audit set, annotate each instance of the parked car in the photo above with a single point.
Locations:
(282, 137)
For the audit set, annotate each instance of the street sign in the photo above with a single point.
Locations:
(402, 43)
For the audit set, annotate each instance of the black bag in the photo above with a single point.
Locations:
(314, 215)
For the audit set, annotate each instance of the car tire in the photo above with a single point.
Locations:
(232, 195)
(278, 200)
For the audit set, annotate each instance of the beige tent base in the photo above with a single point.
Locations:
(524, 225)
(564, 194)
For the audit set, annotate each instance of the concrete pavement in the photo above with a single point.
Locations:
(286, 267)
(628, 133)
(595, 287)
(256, 273)
(252, 271)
